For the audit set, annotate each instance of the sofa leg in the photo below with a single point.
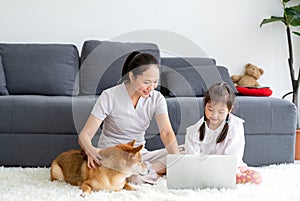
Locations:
(297, 145)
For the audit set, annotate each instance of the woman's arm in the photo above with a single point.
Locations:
(85, 140)
(167, 134)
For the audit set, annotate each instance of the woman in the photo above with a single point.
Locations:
(126, 111)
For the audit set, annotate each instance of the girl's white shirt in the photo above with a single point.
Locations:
(233, 144)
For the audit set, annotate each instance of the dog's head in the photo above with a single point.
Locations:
(124, 158)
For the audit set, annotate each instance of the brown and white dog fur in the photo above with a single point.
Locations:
(117, 163)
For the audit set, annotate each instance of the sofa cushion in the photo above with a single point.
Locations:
(46, 69)
(194, 81)
(41, 114)
(249, 91)
(3, 89)
(179, 62)
(102, 62)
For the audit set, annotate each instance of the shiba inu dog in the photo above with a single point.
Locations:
(117, 163)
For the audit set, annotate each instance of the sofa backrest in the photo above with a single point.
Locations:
(46, 69)
(3, 88)
(185, 77)
(52, 69)
(102, 62)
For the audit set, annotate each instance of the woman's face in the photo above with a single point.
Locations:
(146, 82)
(216, 113)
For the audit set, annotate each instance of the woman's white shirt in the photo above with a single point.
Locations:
(121, 121)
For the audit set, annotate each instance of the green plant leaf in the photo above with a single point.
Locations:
(272, 19)
(293, 15)
(285, 1)
(296, 8)
(296, 33)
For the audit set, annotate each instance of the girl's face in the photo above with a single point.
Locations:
(145, 83)
(216, 113)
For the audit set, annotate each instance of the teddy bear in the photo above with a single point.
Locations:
(250, 77)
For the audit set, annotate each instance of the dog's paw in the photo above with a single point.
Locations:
(128, 187)
(84, 194)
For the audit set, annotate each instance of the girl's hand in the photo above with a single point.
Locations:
(93, 157)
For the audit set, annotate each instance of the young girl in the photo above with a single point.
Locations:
(220, 132)
(126, 111)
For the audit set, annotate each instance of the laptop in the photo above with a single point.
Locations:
(195, 171)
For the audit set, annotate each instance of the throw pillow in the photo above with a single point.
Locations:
(254, 91)
(194, 81)
(46, 69)
(102, 62)
(3, 89)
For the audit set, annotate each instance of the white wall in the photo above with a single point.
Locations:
(227, 30)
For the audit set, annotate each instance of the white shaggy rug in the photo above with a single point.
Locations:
(280, 182)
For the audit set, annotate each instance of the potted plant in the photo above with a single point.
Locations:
(291, 19)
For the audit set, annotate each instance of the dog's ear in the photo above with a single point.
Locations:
(137, 149)
(124, 147)
(129, 149)
(131, 143)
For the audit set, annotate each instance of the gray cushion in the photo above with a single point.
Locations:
(194, 81)
(3, 89)
(41, 114)
(46, 69)
(179, 62)
(102, 62)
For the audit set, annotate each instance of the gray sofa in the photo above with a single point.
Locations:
(48, 90)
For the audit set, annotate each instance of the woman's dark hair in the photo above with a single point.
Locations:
(220, 92)
(137, 63)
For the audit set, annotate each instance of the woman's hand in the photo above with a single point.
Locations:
(94, 156)
(167, 134)
(84, 140)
